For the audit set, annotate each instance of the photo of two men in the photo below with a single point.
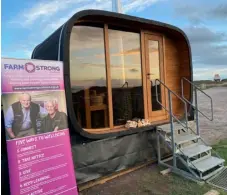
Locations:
(25, 117)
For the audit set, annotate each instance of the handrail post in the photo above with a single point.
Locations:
(186, 115)
(197, 113)
(185, 103)
(212, 110)
(182, 87)
(172, 128)
(158, 145)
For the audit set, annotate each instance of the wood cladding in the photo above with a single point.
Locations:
(177, 65)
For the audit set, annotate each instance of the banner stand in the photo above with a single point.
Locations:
(36, 128)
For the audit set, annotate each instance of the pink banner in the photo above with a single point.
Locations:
(36, 75)
(38, 141)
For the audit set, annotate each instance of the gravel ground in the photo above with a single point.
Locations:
(213, 131)
(149, 181)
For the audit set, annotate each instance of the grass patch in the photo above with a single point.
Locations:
(221, 149)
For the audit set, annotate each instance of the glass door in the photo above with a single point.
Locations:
(154, 70)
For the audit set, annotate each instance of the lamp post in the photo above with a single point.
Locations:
(116, 6)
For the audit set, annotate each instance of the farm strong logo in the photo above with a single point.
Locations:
(30, 67)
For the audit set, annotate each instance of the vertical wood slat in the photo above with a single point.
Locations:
(144, 77)
(148, 83)
(87, 107)
(162, 73)
(164, 95)
(165, 76)
(108, 75)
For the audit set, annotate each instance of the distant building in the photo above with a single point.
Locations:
(217, 78)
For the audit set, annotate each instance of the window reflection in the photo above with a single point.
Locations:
(88, 76)
(154, 65)
(126, 78)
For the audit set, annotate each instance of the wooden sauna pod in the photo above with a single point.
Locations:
(111, 61)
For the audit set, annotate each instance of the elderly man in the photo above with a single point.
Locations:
(20, 119)
(55, 120)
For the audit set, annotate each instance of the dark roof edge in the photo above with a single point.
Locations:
(88, 12)
(113, 14)
(125, 16)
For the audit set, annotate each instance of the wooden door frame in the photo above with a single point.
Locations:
(149, 114)
(143, 62)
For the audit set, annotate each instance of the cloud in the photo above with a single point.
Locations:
(136, 5)
(190, 12)
(210, 54)
(220, 12)
(98, 4)
(208, 73)
(21, 54)
(20, 49)
(127, 6)
(202, 34)
(197, 13)
(27, 53)
(47, 16)
(208, 47)
(134, 70)
(43, 9)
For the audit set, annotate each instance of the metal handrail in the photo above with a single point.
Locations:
(196, 106)
(169, 94)
(172, 115)
(185, 101)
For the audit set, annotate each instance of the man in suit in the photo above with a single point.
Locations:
(20, 119)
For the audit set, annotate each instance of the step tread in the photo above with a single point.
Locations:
(166, 127)
(180, 139)
(207, 163)
(195, 149)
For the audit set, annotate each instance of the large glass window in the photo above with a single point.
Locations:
(88, 76)
(88, 70)
(126, 77)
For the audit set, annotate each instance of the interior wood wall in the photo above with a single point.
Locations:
(177, 65)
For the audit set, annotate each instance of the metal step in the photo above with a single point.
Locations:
(215, 172)
(194, 149)
(166, 127)
(180, 139)
(219, 180)
(205, 164)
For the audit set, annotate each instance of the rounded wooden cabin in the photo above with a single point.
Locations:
(112, 66)
(111, 62)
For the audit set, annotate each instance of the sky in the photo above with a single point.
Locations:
(26, 23)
